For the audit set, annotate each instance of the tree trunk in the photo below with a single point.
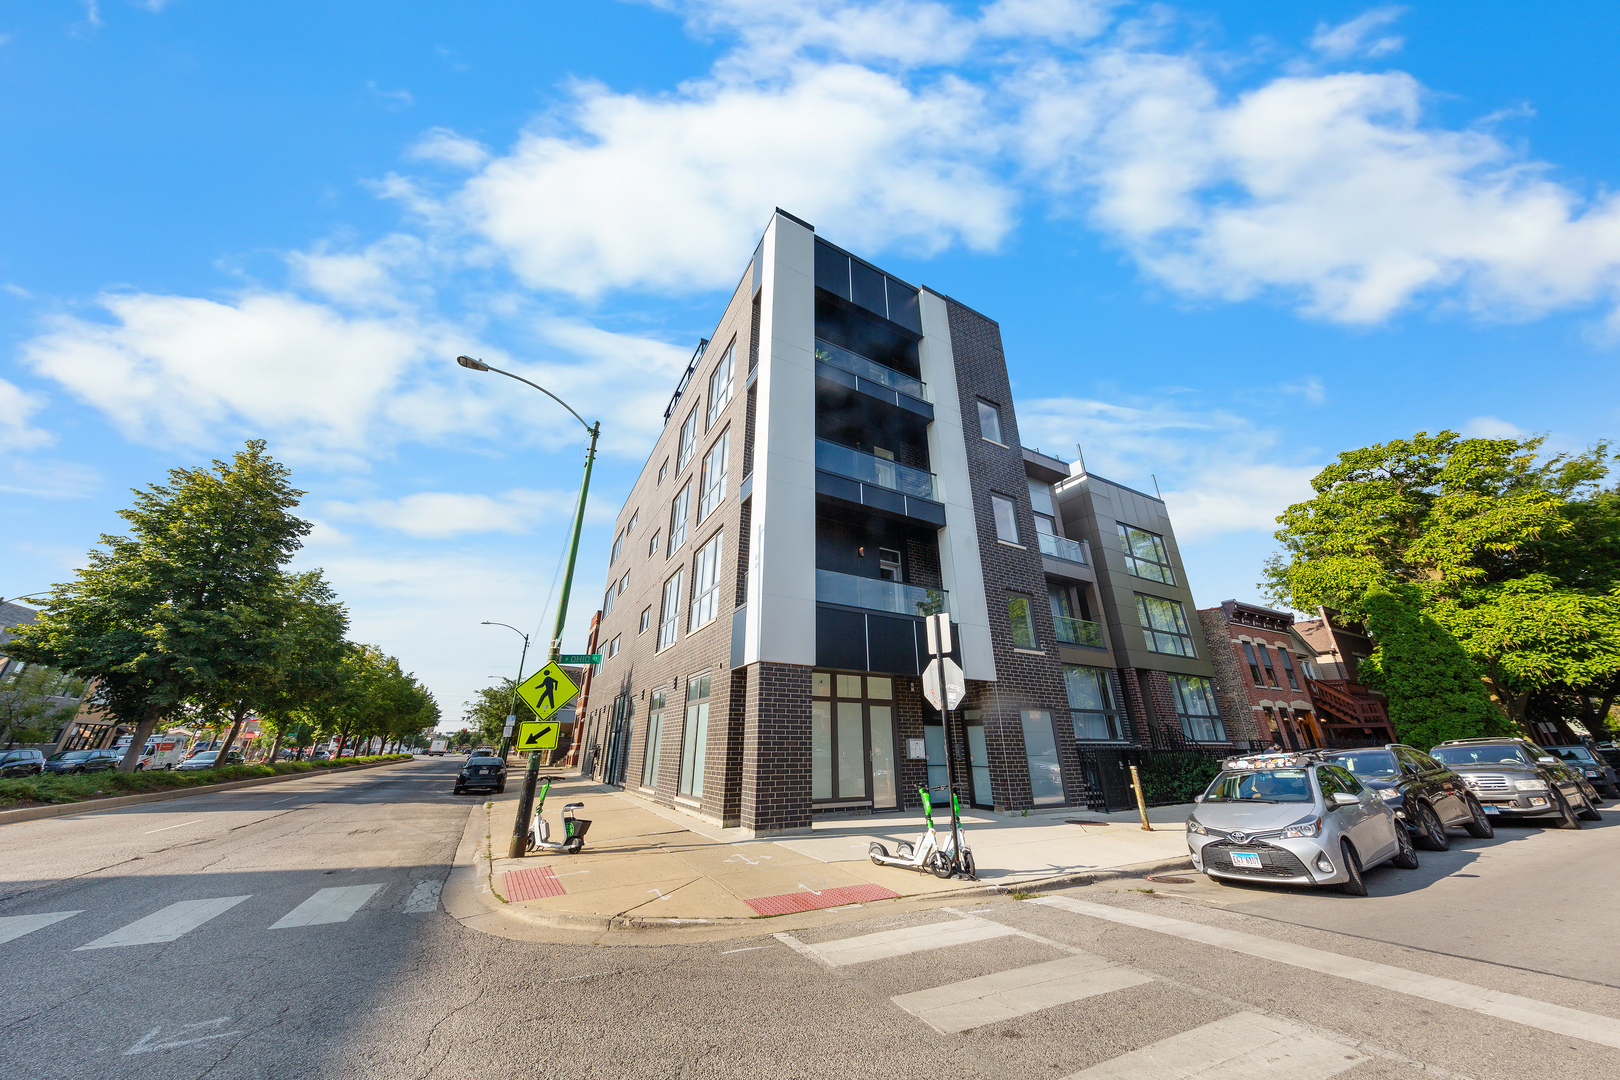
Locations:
(230, 737)
(275, 749)
(343, 737)
(137, 742)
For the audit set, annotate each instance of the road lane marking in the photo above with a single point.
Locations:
(166, 924)
(15, 926)
(751, 948)
(1243, 1045)
(328, 906)
(147, 1046)
(1005, 995)
(166, 828)
(1603, 1030)
(801, 948)
(910, 939)
(424, 898)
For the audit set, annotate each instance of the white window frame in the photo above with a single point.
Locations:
(613, 646)
(653, 542)
(996, 502)
(669, 622)
(646, 619)
(706, 582)
(624, 582)
(688, 439)
(679, 511)
(995, 415)
(720, 386)
(712, 478)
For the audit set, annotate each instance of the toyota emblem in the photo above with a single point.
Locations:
(1239, 837)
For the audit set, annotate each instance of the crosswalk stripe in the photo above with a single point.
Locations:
(909, 939)
(1240, 1046)
(328, 906)
(1603, 1030)
(166, 924)
(973, 1003)
(15, 926)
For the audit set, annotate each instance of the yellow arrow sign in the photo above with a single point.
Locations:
(538, 734)
(548, 690)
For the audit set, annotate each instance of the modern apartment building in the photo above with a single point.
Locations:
(841, 459)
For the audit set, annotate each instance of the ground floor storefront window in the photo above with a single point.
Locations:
(852, 747)
(1040, 746)
(1195, 705)
(695, 735)
(655, 739)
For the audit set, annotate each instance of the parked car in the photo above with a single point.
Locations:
(1428, 797)
(83, 761)
(321, 755)
(1294, 819)
(1598, 772)
(209, 759)
(481, 771)
(1518, 779)
(21, 763)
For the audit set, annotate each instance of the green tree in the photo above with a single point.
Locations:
(32, 704)
(486, 713)
(154, 615)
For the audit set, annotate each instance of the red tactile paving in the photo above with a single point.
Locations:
(532, 884)
(805, 900)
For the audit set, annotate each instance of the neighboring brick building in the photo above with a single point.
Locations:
(841, 458)
(1264, 673)
(1351, 714)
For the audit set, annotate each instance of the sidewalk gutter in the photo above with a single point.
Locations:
(92, 806)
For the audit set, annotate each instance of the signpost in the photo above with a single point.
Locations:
(945, 687)
(539, 734)
(548, 690)
(955, 685)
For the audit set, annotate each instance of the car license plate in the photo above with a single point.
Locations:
(1491, 809)
(1246, 859)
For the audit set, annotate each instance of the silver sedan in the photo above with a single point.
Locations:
(1294, 819)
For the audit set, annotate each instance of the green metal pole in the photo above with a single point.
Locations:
(531, 776)
(511, 708)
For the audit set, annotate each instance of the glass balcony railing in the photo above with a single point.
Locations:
(871, 370)
(878, 595)
(1061, 547)
(870, 469)
(1078, 631)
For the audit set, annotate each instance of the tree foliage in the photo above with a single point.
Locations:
(35, 703)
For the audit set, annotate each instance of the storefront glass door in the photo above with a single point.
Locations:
(852, 749)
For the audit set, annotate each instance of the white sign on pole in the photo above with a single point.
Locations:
(955, 683)
(506, 733)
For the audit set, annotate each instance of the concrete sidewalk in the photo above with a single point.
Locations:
(646, 867)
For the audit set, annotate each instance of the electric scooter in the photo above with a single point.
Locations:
(927, 853)
(574, 829)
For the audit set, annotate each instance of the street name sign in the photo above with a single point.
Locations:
(548, 690)
(538, 734)
(955, 683)
(580, 658)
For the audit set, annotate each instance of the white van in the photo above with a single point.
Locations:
(162, 752)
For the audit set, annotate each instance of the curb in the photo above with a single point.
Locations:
(91, 806)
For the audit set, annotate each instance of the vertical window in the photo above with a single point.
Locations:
(1006, 518)
(712, 481)
(1164, 625)
(1254, 664)
(652, 544)
(663, 470)
(888, 564)
(1091, 702)
(670, 621)
(820, 737)
(635, 516)
(990, 421)
(695, 736)
(678, 512)
(720, 385)
(618, 545)
(1023, 622)
(607, 601)
(624, 582)
(1145, 554)
(655, 739)
(646, 619)
(1265, 658)
(1195, 705)
(1288, 668)
(1040, 749)
(613, 646)
(706, 583)
(1040, 498)
(683, 452)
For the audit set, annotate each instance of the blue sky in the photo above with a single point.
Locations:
(1223, 241)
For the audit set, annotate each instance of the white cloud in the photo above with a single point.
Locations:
(49, 479)
(1236, 497)
(1490, 427)
(16, 406)
(439, 514)
(392, 100)
(449, 148)
(1355, 37)
(1309, 389)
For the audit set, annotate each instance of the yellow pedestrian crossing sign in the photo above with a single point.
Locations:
(538, 734)
(547, 690)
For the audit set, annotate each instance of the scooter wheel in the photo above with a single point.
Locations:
(903, 850)
(573, 846)
(939, 865)
(877, 852)
(530, 846)
(967, 864)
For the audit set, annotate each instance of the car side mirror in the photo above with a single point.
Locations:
(1546, 761)
(1344, 798)
(1198, 798)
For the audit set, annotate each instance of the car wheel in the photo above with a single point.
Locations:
(1354, 885)
(1590, 811)
(1566, 816)
(1432, 830)
(1480, 828)
(459, 791)
(1406, 857)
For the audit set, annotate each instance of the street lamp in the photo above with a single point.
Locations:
(511, 711)
(531, 775)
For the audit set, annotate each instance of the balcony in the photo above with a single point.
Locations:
(870, 370)
(1078, 631)
(870, 469)
(875, 594)
(1061, 547)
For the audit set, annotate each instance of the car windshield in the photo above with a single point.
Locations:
(1261, 785)
(72, 755)
(1367, 762)
(1502, 754)
(206, 755)
(1573, 753)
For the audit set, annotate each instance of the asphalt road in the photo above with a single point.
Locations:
(305, 939)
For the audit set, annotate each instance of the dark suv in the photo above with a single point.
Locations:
(1427, 797)
(21, 762)
(83, 761)
(483, 770)
(1598, 772)
(1517, 778)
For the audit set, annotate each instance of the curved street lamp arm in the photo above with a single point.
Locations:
(544, 391)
